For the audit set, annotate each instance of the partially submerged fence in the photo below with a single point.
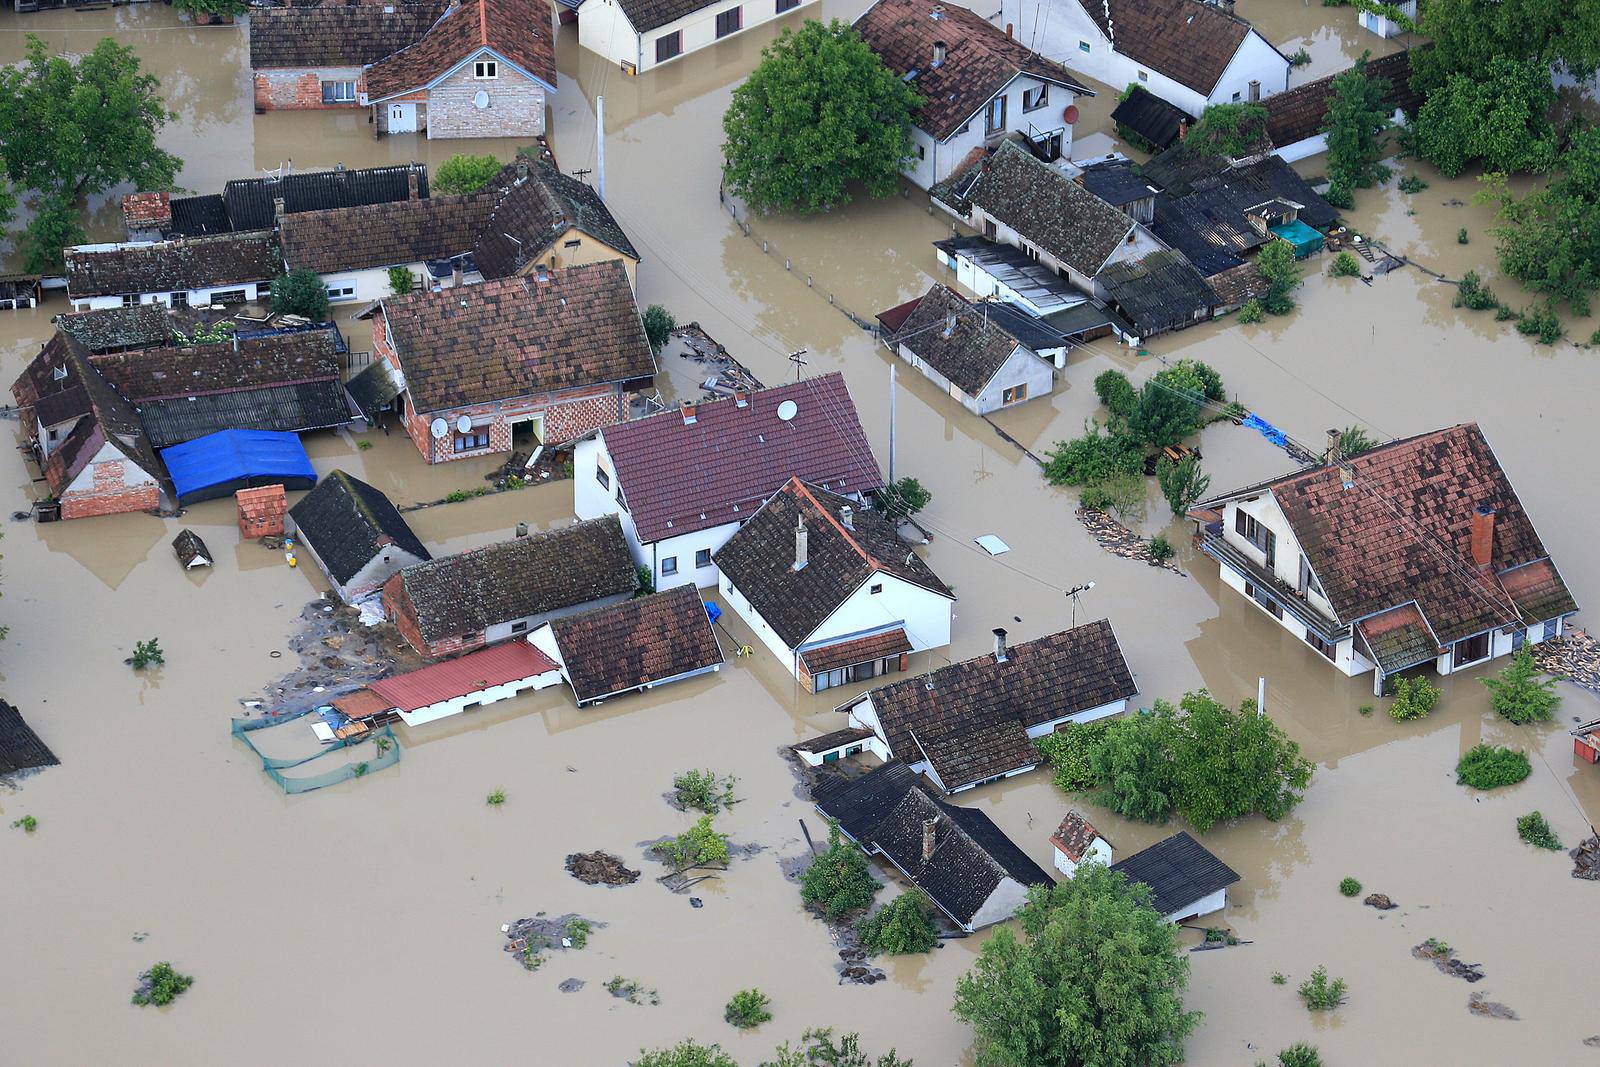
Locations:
(304, 775)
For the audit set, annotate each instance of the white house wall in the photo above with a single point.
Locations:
(196, 297)
(1099, 851)
(1002, 904)
(1139, 242)
(1023, 367)
(1257, 61)
(938, 160)
(591, 500)
(491, 695)
(604, 28)
(925, 614)
(759, 626)
(133, 475)
(1204, 906)
(1104, 711)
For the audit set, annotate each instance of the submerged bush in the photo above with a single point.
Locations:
(902, 927)
(748, 1009)
(1490, 767)
(1067, 751)
(839, 881)
(161, 985)
(1322, 993)
(1349, 887)
(1252, 311)
(1519, 694)
(1345, 266)
(1533, 829)
(1414, 698)
(1160, 548)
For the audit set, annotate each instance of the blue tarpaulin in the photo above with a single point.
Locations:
(1255, 422)
(219, 463)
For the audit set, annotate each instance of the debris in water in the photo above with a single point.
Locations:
(1574, 656)
(1477, 1005)
(571, 985)
(527, 939)
(631, 991)
(1117, 539)
(696, 902)
(600, 868)
(141, 935)
(1586, 860)
(1439, 952)
(855, 969)
(1592, 1042)
(1380, 901)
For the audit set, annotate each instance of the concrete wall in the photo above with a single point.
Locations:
(576, 248)
(110, 485)
(1099, 851)
(603, 28)
(1204, 906)
(300, 89)
(492, 694)
(1022, 368)
(515, 107)
(195, 297)
(937, 160)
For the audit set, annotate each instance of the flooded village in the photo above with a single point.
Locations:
(349, 653)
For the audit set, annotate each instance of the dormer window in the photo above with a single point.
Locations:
(59, 373)
(486, 68)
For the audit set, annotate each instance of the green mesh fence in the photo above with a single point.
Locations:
(329, 765)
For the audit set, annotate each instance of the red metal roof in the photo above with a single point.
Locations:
(496, 665)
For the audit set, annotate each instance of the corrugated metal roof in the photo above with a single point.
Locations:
(496, 665)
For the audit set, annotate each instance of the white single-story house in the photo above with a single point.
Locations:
(224, 268)
(1188, 52)
(653, 472)
(356, 536)
(830, 588)
(639, 35)
(1415, 552)
(975, 353)
(1075, 842)
(479, 678)
(977, 84)
(974, 722)
(1185, 879)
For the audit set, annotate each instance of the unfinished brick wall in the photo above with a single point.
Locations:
(398, 607)
(516, 106)
(110, 494)
(262, 511)
(299, 90)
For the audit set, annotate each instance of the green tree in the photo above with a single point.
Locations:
(904, 498)
(55, 227)
(463, 173)
(1193, 376)
(225, 8)
(1469, 35)
(1164, 416)
(1182, 483)
(838, 881)
(904, 926)
(300, 292)
(820, 111)
(401, 281)
(1097, 981)
(1278, 266)
(1229, 764)
(1353, 440)
(161, 985)
(1498, 115)
(1355, 123)
(70, 129)
(1117, 393)
(1549, 240)
(1520, 694)
(686, 1053)
(699, 846)
(1092, 458)
(1414, 698)
(658, 325)
(1133, 765)
(748, 1009)
(818, 1049)
(1232, 130)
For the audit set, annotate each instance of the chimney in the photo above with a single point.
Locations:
(1008, 29)
(522, 169)
(930, 837)
(1483, 536)
(999, 644)
(741, 399)
(458, 276)
(541, 273)
(277, 211)
(939, 51)
(1347, 475)
(522, 529)
(800, 543)
(687, 408)
(949, 325)
(847, 517)
(413, 192)
(1332, 453)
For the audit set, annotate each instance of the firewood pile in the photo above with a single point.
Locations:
(1575, 657)
(1117, 539)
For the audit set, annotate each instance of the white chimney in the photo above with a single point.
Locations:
(800, 543)
(999, 644)
(847, 517)
(939, 53)
(688, 413)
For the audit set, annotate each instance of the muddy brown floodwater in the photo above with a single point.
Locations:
(362, 923)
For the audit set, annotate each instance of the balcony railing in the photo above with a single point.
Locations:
(1268, 584)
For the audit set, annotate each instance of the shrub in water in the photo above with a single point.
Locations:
(839, 881)
(1345, 266)
(1349, 887)
(903, 926)
(1161, 549)
(1489, 767)
(748, 1009)
(1252, 311)
(1322, 993)
(1067, 751)
(1414, 698)
(1412, 184)
(1299, 1055)
(1520, 694)
(160, 985)
(1533, 829)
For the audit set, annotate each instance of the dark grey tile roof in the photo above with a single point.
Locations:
(971, 713)
(374, 387)
(524, 577)
(248, 203)
(647, 15)
(1032, 332)
(1151, 117)
(336, 34)
(348, 523)
(291, 407)
(531, 205)
(20, 748)
(140, 326)
(165, 266)
(968, 352)
(1179, 871)
(887, 808)
(195, 216)
(759, 559)
(636, 643)
(1157, 292)
(1210, 223)
(1050, 209)
(112, 420)
(1116, 182)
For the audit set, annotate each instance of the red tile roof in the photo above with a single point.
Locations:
(857, 650)
(721, 468)
(518, 30)
(1189, 41)
(636, 643)
(1398, 638)
(496, 665)
(1074, 836)
(147, 209)
(1300, 113)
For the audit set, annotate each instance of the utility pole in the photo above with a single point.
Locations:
(600, 142)
(891, 423)
(1261, 695)
(1073, 594)
(799, 361)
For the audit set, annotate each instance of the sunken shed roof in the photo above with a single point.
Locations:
(348, 523)
(636, 643)
(973, 350)
(1179, 871)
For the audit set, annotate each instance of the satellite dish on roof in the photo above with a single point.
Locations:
(787, 410)
(439, 428)
(464, 424)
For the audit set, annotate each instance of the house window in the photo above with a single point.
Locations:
(1259, 595)
(1015, 394)
(994, 118)
(1144, 75)
(787, 5)
(486, 68)
(702, 557)
(1550, 628)
(1320, 645)
(922, 152)
(180, 299)
(1034, 99)
(828, 680)
(622, 501)
(1246, 526)
(877, 588)
(1083, 46)
(669, 566)
(577, 243)
(1308, 581)
(342, 291)
(990, 230)
(1237, 97)
(1519, 637)
(669, 46)
(519, 627)
(229, 296)
(1470, 650)
(730, 21)
(467, 442)
(130, 300)
(338, 92)
(602, 477)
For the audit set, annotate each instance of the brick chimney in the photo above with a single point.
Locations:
(413, 189)
(1332, 453)
(800, 557)
(1483, 536)
(687, 408)
(930, 837)
(278, 211)
(999, 644)
(741, 398)
(261, 511)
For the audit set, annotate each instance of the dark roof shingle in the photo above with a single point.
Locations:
(337, 34)
(20, 748)
(1157, 292)
(348, 523)
(638, 642)
(1179, 871)
(383, 235)
(165, 266)
(519, 30)
(973, 350)
(531, 205)
(1050, 209)
(1189, 41)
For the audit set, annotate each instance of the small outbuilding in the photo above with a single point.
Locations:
(456, 685)
(20, 748)
(1186, 878)
(356, 535)
(633, 645)
(971, 354)
(191, 551)
(1077, 842)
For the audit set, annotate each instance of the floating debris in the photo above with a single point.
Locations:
(631, 991)
(1574, 656)
(1380, 901)
(1439, 952)
(854, 968)
(527, 939)
(1586, 860)
(1477, 1005)
(571, 985)
(1117, 539)
(600, 868)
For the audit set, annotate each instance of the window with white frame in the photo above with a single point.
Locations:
(669, 566)
(471, 440)
(338, 92)
(602, 477)
(486, 68)
(130, 300)
(1550, 628)
(702, 557)
(1144, 75)
(1034, 99)
(342, 290)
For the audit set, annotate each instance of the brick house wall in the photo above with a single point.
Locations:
(107, 491)
(299, 90)
(381, 111)
(398, 607)
(516, 105)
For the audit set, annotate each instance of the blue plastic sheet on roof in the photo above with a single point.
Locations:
(220, 463)
(1255, 422)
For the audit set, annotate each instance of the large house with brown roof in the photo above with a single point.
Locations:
(977, 85)
(1188, 52)
(313, 57)
(637, 35)
(970, 354)
(226, 268)
(1416, 552)
(482, 70)
(683, 481)
(518, 362)
(830, 589)
(973, 722)
(503, 591)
